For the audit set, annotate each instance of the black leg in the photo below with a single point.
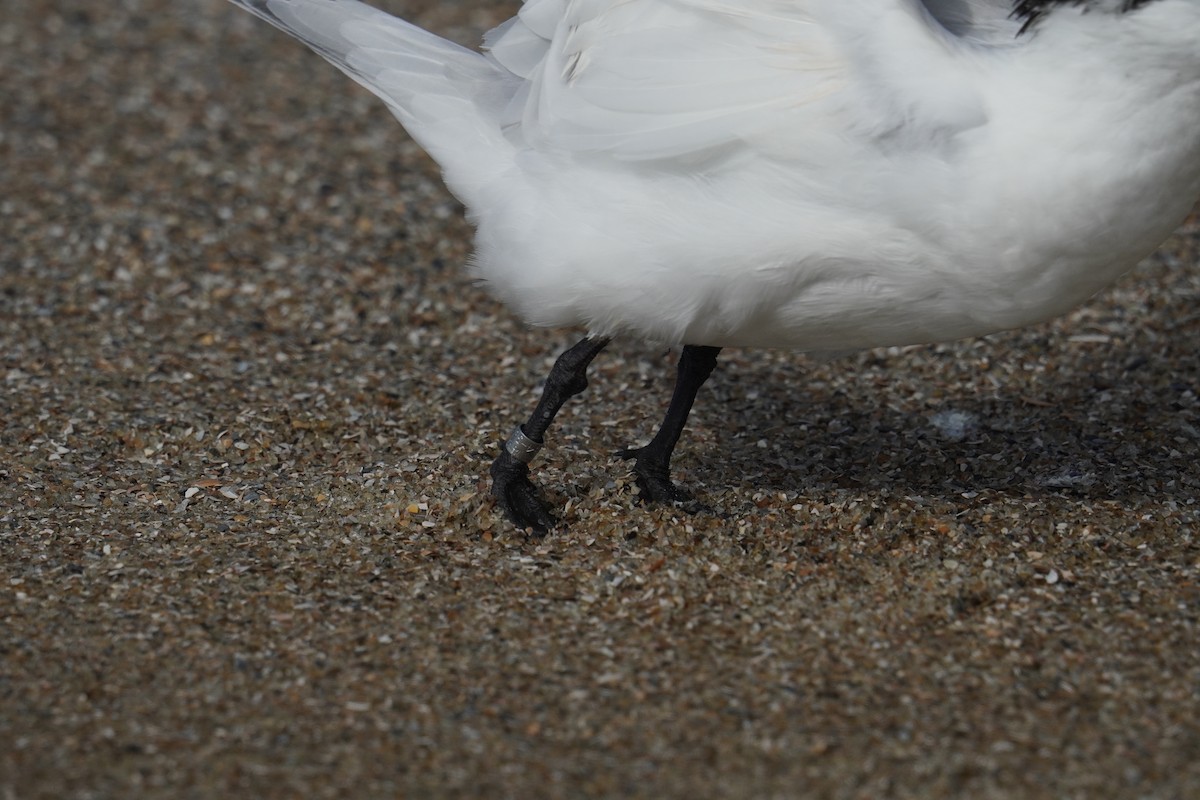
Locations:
(652, 464)
(511, 487)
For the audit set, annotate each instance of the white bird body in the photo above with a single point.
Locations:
(822, 175)
(809, 174)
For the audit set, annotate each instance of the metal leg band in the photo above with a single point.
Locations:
(521, 447)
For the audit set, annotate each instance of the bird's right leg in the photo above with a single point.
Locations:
(511, 487)
(652, 463)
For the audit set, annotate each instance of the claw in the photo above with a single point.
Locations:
(517, 496)
(655, 484)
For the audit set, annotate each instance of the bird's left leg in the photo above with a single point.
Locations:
(511, 486)
(652, 464)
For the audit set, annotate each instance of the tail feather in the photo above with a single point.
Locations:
(449, 98)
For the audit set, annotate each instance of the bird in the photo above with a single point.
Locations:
(811, 175)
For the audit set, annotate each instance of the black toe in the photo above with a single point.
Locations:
(655, 484)
(517, 496)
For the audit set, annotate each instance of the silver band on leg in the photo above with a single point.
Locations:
(521, 447)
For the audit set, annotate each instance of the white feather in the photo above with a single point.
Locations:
(806, 174)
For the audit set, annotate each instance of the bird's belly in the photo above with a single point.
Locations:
(845, 314)
(803, 275)
(875, 307)
(817, 303)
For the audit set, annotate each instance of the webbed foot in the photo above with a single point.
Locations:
(517, 496)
